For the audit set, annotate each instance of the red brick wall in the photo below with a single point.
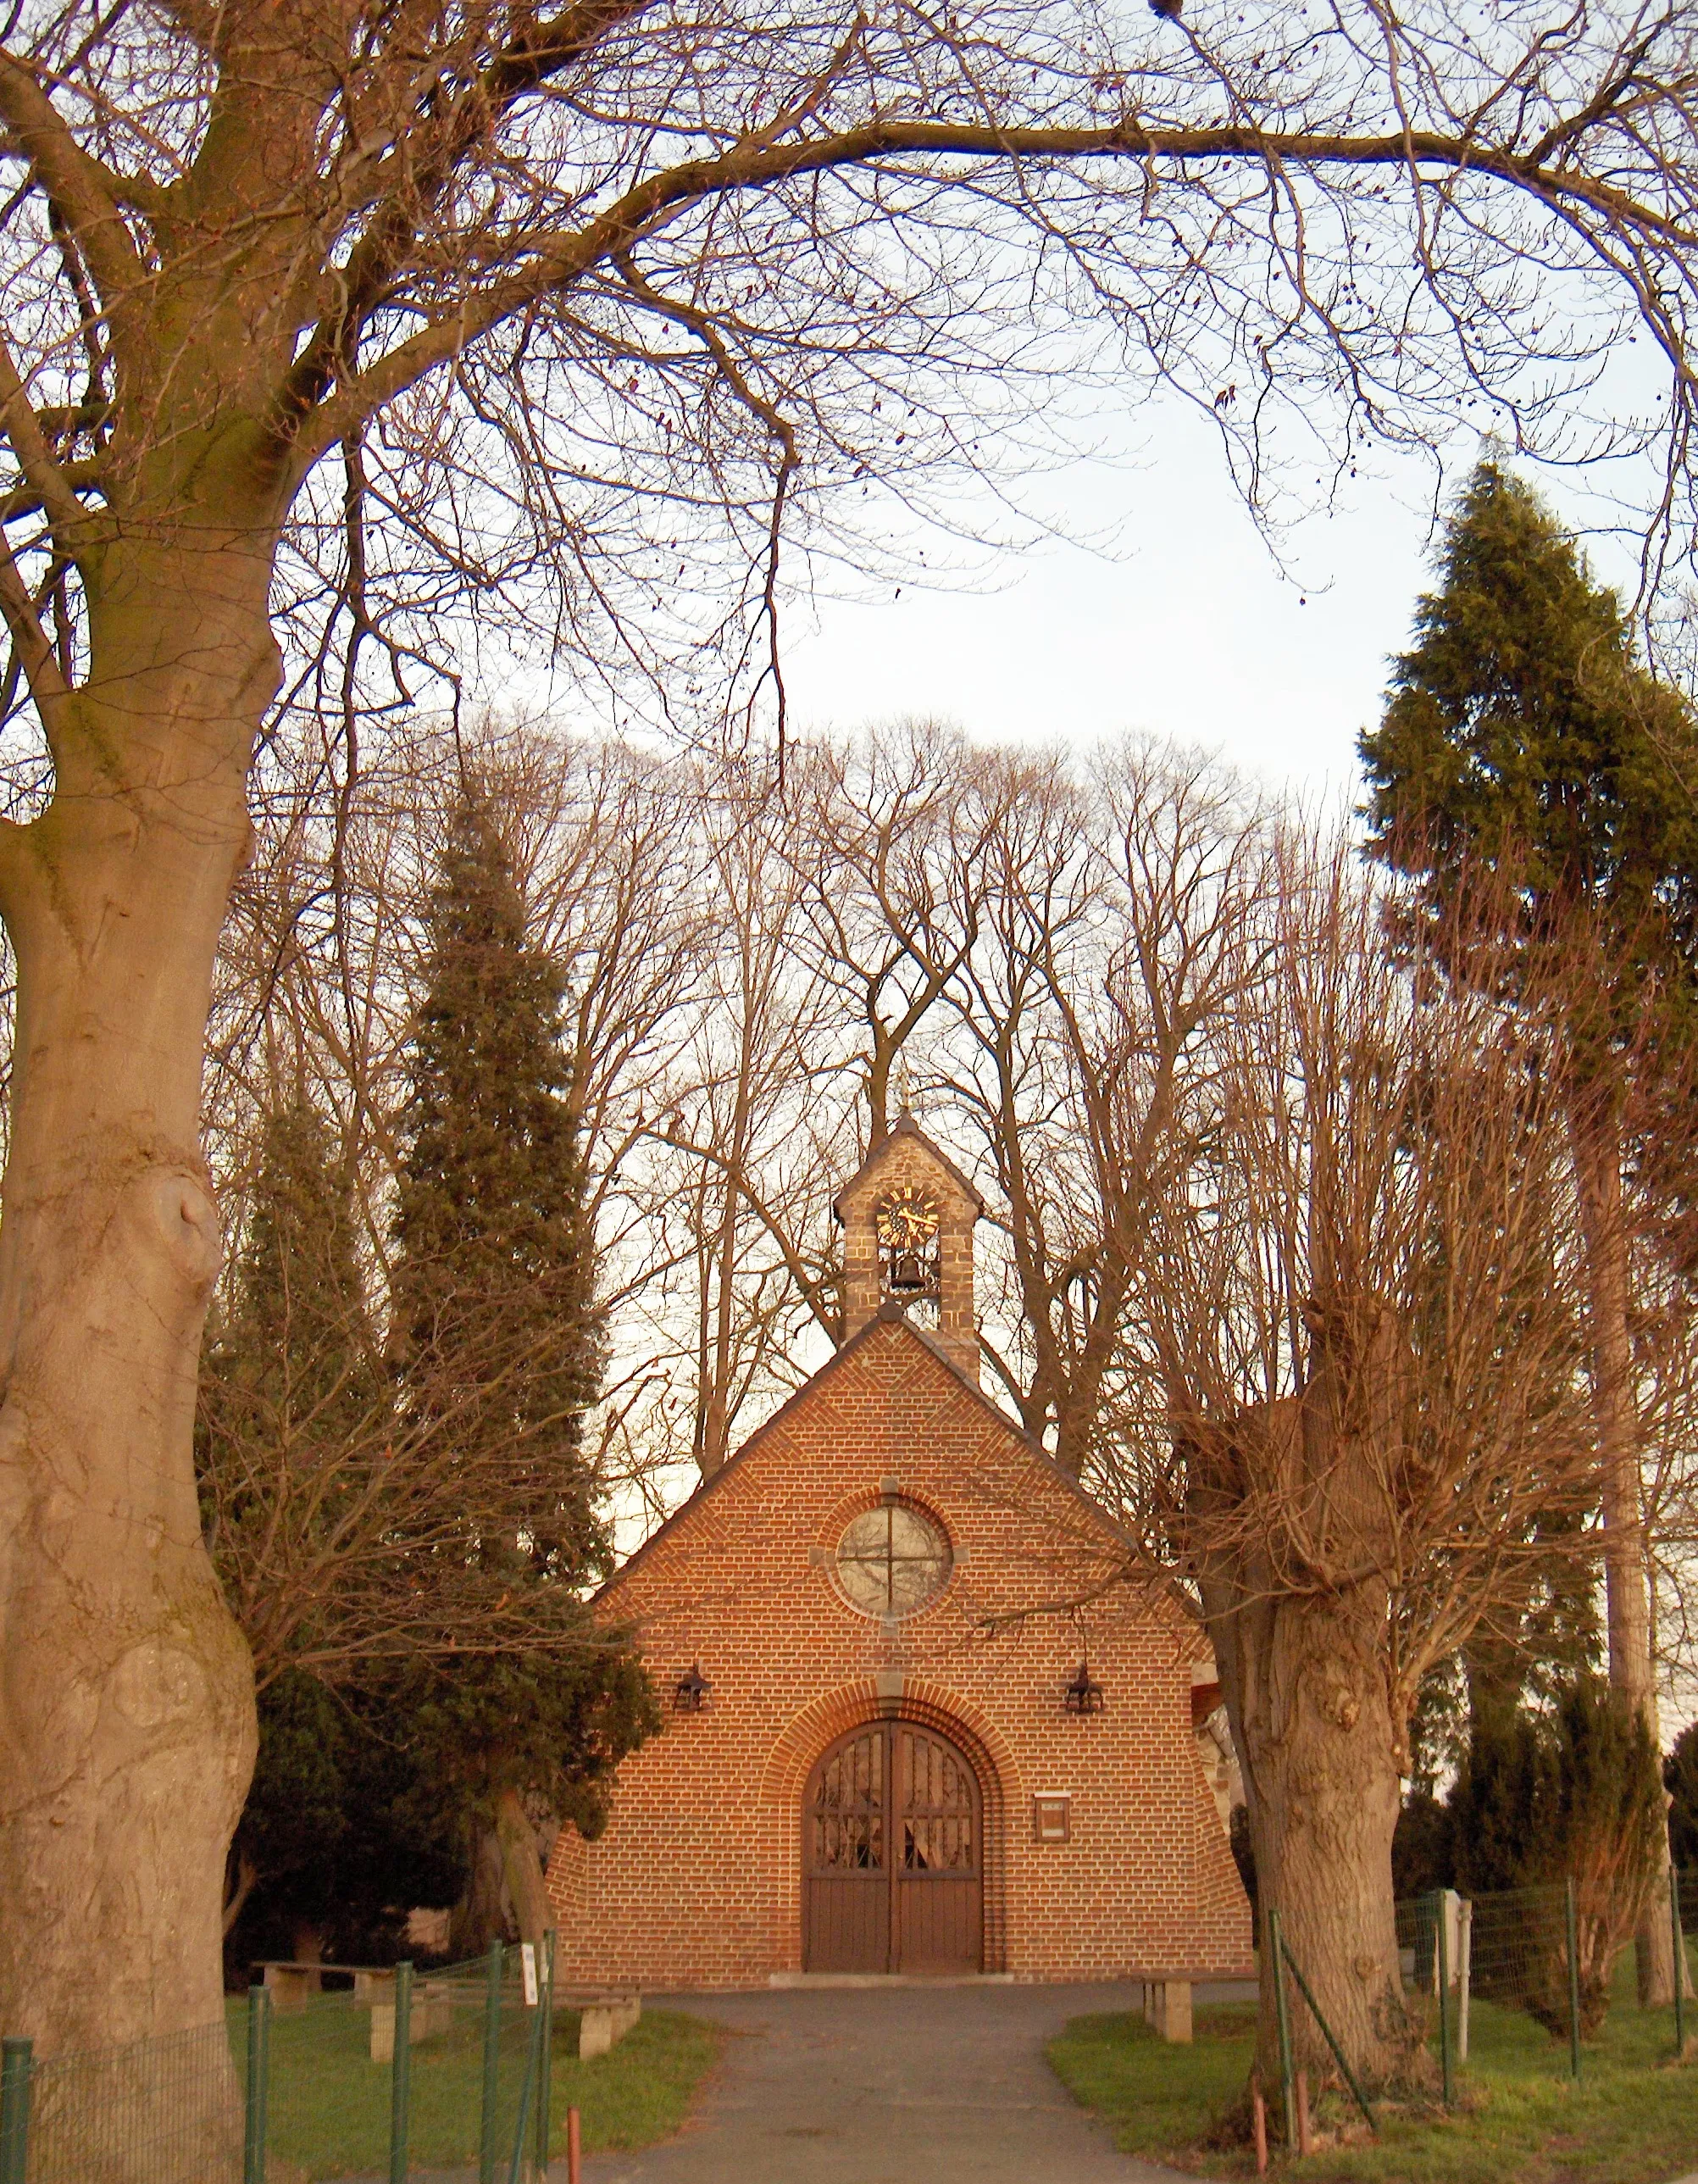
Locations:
(697, 1880)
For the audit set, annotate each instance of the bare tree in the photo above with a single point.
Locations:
(1116, 922)
(1370, 1356)
(1199, 1091)
(890, 834)
(337, 334)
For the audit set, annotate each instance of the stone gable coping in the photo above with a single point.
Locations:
(905, 1131)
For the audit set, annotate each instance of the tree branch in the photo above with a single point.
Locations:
(83, 193)
(48, 685)
(780, 428)
(522, 67)
(557, 262)
(81, 477)
(41, 470)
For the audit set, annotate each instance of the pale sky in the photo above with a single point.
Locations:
(1186, 630)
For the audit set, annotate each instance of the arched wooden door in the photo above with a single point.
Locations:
(893, 1868)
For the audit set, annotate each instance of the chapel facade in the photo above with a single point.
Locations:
(913, 1727)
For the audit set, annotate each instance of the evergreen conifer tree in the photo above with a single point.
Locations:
(345, 1828)
(1680, 1779)
(293, 1380)
(1520, 724)
(294, 1355)
(1572, 1793)
(496, 1331)
(492, 1295)
(293, 1374)
(1522, 738)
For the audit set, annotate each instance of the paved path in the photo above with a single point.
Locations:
(880, 2086)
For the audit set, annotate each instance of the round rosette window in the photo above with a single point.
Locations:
(893, 1560)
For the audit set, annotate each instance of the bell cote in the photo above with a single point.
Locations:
(908, 1215)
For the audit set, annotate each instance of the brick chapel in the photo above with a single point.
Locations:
(912, 1727)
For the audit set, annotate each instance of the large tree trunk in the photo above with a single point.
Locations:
(126, 1705)
(1303, 1681)
(522, 1864)
(1287, 1512)
(1598, 1167)
(481, 1916)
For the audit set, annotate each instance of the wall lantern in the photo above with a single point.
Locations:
(691, 1694)
(1084, 1694)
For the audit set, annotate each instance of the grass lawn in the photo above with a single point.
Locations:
(641, 2090)
(1632, 2120)
(329, 2104)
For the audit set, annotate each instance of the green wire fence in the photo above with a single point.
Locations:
(1537, 1950)
(397, 2073)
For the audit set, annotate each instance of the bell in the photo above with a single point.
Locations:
(907, 1275)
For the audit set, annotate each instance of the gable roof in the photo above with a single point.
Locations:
(890, 1314)
(905, 1129)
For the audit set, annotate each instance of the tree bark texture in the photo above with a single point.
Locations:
(1289, 1538)
(522, 1864)
(1598, 1168)
(1305, 1692)
(481, 1916)
(126, 1708)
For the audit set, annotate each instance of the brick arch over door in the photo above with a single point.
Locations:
(784, 1781)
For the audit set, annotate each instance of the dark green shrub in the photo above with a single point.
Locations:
(1422, 1855)
(1571, 1793)
(1243, 1857)
(1680, 1779)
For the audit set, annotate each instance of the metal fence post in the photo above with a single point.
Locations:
(1679, 1963)
(545, 1999)
(533, 2056)
(1275, 1947)
(258, 2074)
(15, 2069)
(1465, 1972)
(1331, 2038)
(401, 2076)
(1442, 1957)
(1573, 1982)
(492, 2068)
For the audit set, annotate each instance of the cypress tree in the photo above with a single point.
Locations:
(1680, 1779)
(294, 1355)
(344, 1830)
(496, 1336)
(1520, 725)
(293, 1377)
(294, 1391)
(1572, 1793)
(492, 1293)
(1522, 738)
